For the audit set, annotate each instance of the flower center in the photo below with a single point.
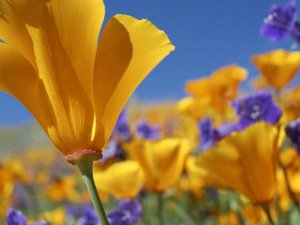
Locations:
(126, 216)
(277, 20)
(256, 111)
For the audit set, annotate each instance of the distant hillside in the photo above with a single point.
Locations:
(25, 136)
(17, 138)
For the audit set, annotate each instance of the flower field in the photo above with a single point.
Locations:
(223, 154)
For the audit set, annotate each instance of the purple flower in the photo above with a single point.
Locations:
(127, 212)
(122, 129)
(295, 32)
(224, 130)
(113, 150)
(15, 217)
(85, 214)
(147, 131)
(88, 215)
(293, 132)
(256, 107)
(207, 133)
(210, 135)
(72, 211)
(40, 223)
(20, 200)
(280, 22)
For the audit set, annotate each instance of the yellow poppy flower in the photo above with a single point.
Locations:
(16, 171)
(11, 172)
(194, 174)
(290, 160)
(220, 87)
(291, 103)
(254, 214)
(228, 218)
(259, 82)
(287, 157)
(74, 86)
(6, 191)
(56, 216)
(283, 194)
(62, 189)
(153, 112)
(121, 180)
(288, 177)
(182, 186)
(244, 161)
(191, 106)
(162, 161)
(278, 67)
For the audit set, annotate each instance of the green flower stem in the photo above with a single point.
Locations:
(160, 208)
(291, 193)
(288, 185)
(86, 169)
(240, 217)
(145, 204)
(184, 215)
(277, 94)
(266, 208)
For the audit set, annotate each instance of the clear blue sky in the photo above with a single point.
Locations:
(207, 35)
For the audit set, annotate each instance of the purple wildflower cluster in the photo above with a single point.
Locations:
(122, 127)
(210, 135)
(256, 107)
(293, 132)
(146, 131)
(143, 129)
(84, 214)
(250, 109)
(122, 132)
(127, 212)
(15, 217)
(282, 22)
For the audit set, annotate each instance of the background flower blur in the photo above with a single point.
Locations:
(211, 137)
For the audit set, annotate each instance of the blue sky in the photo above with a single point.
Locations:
(207, 35)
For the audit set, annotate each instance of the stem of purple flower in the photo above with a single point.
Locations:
(295, 32)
